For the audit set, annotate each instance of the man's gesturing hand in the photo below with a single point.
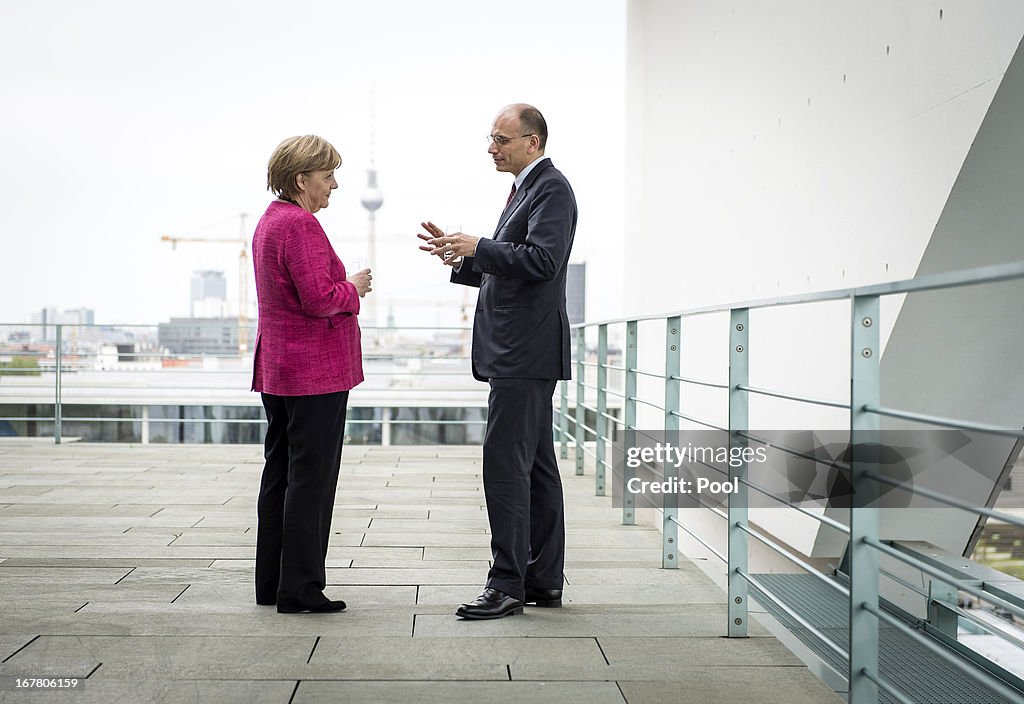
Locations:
(450, 248)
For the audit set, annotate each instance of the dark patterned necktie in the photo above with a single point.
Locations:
(511, 195)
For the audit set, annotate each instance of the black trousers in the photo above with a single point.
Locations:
(522, 488)
(303, 457)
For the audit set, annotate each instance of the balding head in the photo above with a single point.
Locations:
(530, 120)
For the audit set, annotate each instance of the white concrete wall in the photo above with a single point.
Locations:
(781, 148)
(777, 148)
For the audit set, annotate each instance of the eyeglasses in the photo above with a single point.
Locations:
(501, 141)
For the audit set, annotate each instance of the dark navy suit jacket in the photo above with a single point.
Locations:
(521, 328)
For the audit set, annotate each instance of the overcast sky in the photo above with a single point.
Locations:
(126, 120)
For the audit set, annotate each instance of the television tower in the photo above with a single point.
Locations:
(371, 199)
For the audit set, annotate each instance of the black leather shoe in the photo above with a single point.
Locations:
(327, 607)
(490, 604)
(545, 598)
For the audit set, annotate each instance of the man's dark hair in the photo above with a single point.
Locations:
(532, 122)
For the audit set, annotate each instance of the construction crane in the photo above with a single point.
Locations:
(243, 274)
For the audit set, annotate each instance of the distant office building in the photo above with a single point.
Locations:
(576, 292)
(209, 295)
(44, 322)
(203, 336)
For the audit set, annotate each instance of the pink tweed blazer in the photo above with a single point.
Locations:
(307, 340)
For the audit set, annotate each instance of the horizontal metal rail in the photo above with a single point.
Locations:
(945, 422)
(899, 580)
(613, 419)
(942, 498)
(930, 282)
(700, 540)
(650, 374)
(810, 569)
(698, 422)
(945, 577)
(687, 380)
(793, 397)
(646, 403)
(821, 519)
(791, 451)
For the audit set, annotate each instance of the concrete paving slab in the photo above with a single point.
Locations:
(695, 620)
(395, 671)
(420, 539)
(703, 652)
(446, 658)
(63, 575)
(216, 596)
(349, 552)
(208, 552)
(635, 578)
(592, 595)
(10, 644)
(411, 543)
(162, 656)
(123, 562)
(476, 524)
(482, 565)
(770, 685)
(91, 538)
(456, 692)
(95, 691)
(16, 595)
(467, 552)
(232, 620)
(400, 575)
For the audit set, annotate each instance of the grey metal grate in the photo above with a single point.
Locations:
(919, 673)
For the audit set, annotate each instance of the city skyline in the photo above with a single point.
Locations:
(114, 152)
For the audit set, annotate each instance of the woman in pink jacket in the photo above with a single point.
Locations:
(307, 358)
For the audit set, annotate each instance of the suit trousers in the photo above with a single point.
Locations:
(522, 488)
(296, 501)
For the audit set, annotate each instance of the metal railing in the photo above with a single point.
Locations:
(49, 368)
(858, 583)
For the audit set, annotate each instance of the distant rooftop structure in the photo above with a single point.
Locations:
(208, 295)
(43, 322)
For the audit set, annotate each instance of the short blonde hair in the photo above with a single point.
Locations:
(297, 155)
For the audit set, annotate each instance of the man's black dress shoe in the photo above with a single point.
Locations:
(490, 604)
(546, 598)
(327, 607)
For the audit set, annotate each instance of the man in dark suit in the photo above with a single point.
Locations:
(521, 348)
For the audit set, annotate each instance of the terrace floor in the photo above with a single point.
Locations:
(130, 569)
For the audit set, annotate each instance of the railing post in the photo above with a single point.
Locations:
(669, 529)
(385, 426)
(629, 420)
(563, 419)
(942, 608)
(581, 397)
(57, 391)
(145, 425)
(865, 388)
(600, 422)
(739, 357)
